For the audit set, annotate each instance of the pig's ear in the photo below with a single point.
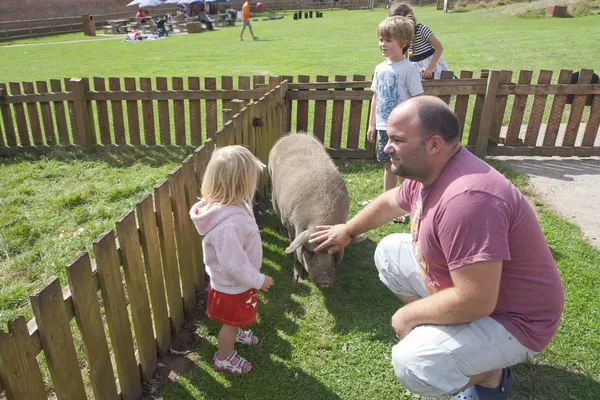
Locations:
(300, 241)
(358, 238)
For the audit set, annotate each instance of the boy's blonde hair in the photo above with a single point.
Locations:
(398, 28)
(231, 176)
(402, 9)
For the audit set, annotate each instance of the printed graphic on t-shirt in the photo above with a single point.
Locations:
(387, 93)
(431, 283)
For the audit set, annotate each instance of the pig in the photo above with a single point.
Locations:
(308, 191)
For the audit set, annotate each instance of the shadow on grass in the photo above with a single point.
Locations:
(270, 379)
(358, 300)
(546, 382)
(114, 156)
(278, 310)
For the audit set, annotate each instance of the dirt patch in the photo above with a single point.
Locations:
(521, 7)
(180, 357)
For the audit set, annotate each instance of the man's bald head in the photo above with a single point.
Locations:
(434, 115)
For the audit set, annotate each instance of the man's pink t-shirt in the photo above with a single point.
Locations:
(472, 213)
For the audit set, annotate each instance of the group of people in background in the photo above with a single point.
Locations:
(199, 10)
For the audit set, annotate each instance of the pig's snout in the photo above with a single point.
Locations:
(324, 282)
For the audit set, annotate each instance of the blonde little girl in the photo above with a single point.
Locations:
(232, 250)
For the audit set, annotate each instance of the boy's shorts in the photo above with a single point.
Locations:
(232, 309)
(245, 23)
(382, 139)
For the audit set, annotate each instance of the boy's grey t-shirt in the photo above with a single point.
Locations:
(394, 83)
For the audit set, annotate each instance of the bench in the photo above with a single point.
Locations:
(107, 28)
(181, 26)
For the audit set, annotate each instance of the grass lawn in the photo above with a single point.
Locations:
(343, 42)
(318, 345)
(53, 206)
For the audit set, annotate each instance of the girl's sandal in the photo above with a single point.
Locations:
(241, 366)
(402, 220)
(246, 337)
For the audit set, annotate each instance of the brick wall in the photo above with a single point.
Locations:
(11, 10)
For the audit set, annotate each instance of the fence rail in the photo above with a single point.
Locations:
(498, 115)
(158, 252)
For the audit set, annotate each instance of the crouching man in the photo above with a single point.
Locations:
(480, 288)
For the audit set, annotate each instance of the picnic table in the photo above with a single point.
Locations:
(118, 26)
(224, 20)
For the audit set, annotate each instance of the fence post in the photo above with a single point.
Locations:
(274, 80)
(226, 114)
(83, 120)
(235, 106)
(487, 113)
(7, 127)
(446, 75)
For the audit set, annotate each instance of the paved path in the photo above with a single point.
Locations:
(569, 186)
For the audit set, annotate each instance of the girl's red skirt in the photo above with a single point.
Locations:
(232, 309)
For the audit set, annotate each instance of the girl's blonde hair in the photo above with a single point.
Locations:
(398, 28)
(402, 9)
(231, 176)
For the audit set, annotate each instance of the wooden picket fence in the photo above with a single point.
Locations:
(168, 267)
(158, 112)
(481, 106)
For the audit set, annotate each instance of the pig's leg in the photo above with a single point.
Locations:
(298, 270)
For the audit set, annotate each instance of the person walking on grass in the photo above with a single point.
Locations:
(394, 81)
(246, 20)
(232, 250)
(480, 288)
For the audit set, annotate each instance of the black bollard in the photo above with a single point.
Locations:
(295, 16)
(305, 14)
(310, 14)
(299, 14)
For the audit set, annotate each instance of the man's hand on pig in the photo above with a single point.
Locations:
(333, 237)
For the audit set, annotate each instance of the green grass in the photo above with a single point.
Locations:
(533, 13)
(53, 206)
(343, 42)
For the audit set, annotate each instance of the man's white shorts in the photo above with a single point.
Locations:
(437, 360)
